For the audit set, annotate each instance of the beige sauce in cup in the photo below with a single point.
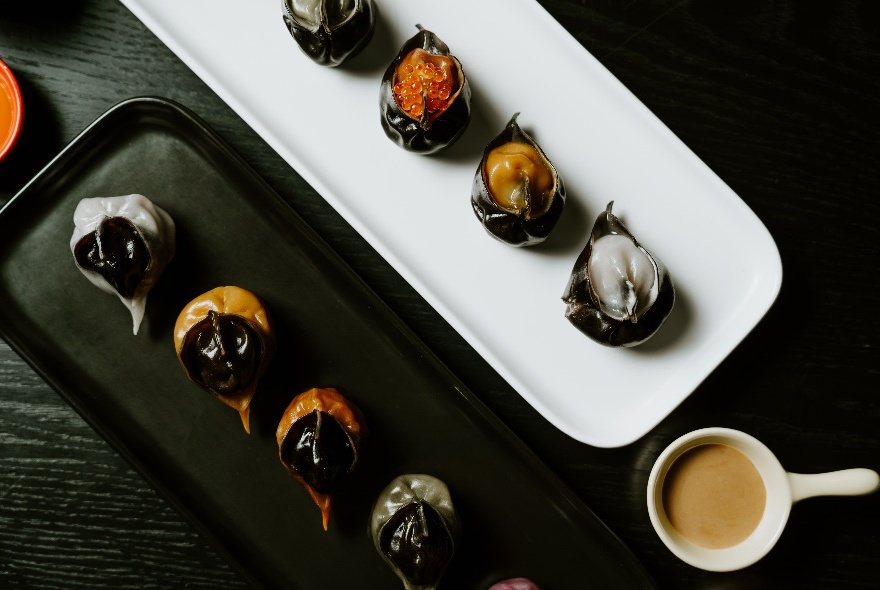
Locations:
(713, 496)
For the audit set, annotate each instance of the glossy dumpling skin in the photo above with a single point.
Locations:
(224, 340)
(517, 194)
(410, 113)
(415, 528)
(330, 32)
(319, 438)
(123, 245)
(618, 294)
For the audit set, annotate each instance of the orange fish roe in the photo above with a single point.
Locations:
(423, 81)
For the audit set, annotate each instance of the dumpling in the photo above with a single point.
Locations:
(319, 439)
(330, 32)
(224, 340)
(122, 245)
(517, 194)
(415, 528)
(618, 293)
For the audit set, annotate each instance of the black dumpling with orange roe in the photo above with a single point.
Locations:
(425, 97)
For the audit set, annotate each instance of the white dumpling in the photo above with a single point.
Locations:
(122, 245)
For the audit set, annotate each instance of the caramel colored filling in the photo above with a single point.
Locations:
(519, 179)
(424, 82)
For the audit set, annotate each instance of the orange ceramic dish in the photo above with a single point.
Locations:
(11, 110)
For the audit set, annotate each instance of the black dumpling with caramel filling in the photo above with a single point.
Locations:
(517, 194)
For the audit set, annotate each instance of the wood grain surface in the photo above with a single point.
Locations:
(779, 97)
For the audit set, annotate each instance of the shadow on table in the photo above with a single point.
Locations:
(45, 12)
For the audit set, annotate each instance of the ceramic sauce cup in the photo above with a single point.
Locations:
(719, 499)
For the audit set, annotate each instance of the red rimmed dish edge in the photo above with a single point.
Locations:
(8, 139)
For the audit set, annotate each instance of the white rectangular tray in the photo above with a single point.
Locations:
(415, 210)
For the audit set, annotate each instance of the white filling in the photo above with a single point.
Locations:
(308, 12)
(154, 224)
(623, 277)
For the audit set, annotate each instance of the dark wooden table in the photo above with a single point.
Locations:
(781, 99)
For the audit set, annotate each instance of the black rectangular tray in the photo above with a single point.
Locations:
(232, 229)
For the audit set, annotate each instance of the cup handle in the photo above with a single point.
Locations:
(848, 482)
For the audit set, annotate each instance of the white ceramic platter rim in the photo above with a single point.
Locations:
(415, 210)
